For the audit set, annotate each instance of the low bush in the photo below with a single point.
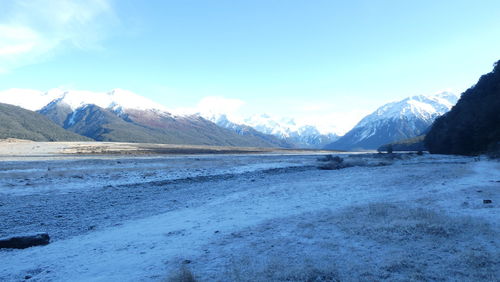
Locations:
(494, 155)
(183, 275)
(327, 158)
(332, 162)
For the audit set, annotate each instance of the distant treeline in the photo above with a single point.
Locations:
(410, 144)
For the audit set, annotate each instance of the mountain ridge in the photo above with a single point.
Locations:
(120, 111)
(395, 121)
(298, 136)
(122, 123)
(20, 123)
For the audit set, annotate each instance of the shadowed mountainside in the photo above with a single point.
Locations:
(473, 125)
(148, 126)
(16, 122)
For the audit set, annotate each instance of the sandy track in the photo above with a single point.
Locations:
(25, 149)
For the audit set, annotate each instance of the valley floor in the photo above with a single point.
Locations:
(252, 218)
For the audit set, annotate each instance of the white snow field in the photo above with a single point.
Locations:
(252, 218)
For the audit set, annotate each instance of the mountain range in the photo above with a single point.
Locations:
(285, 129)
(396, 121)
(123, 116)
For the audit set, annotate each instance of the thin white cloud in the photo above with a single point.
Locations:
(216, 104)
(327, 117)
(32, 30)
(29, 98)
(339, 122)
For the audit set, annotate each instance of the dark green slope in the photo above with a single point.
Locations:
(258, 137)
(147, 127)
(473, 124)
(103, 125)
(196, 130)
(56, 112)
(16, 122)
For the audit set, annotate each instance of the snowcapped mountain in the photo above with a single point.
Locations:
(278, 127)
(245, 130)
(115, 100)
(123, 116)
(70, 108)
(286, 129)
(394, 121)
(301, 135)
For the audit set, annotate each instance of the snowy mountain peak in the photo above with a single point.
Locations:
(116, 100)
(395, 121)
(425, 107)
(266, 124)
(287, 129)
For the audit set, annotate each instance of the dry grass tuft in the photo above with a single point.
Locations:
(281, 268)
(385, 222)
(183, 275)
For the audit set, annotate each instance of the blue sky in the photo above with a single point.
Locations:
(330, 59)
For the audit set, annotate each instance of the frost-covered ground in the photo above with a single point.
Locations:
(252, 218)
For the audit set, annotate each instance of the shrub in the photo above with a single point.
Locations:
(331, 163)
(389, 149)
(183, 275)
(494, 152)
(326, 158)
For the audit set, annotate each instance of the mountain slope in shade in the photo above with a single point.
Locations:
(195, 127)
(473, 125)
(62, 107)
(395, 121)
(126, 117)
(16, 122)
(285, 131)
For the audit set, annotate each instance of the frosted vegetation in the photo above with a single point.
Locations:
(253, 218)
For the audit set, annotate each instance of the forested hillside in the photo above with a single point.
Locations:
(16, 122)
(473, 125)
